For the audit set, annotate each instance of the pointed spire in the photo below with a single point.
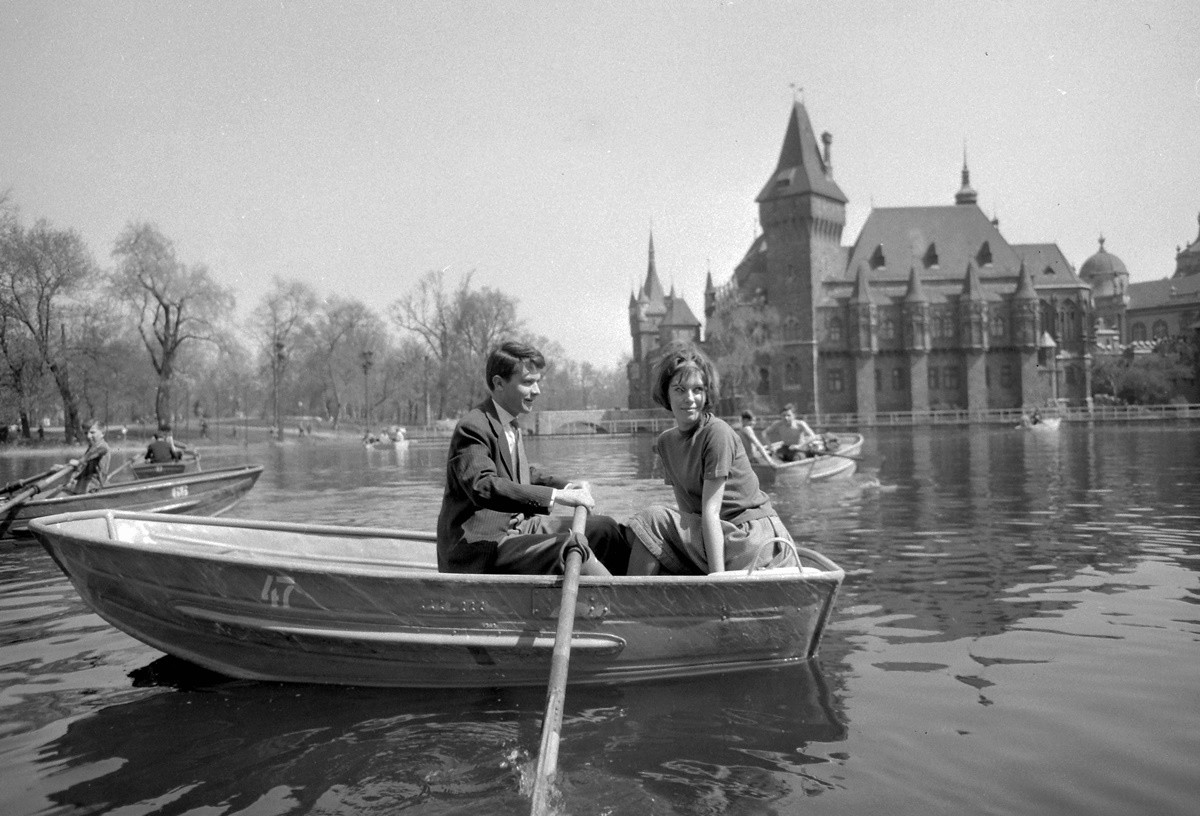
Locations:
(1025, 290)
(972, 287)
(862, 288)
(915, 293)
(966, 195)
(652, 290)
(801, 168)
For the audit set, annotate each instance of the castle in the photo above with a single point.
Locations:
(931, 307)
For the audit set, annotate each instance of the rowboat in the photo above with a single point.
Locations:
(1042, 425)
(210, 492)
(842, 462)
(288, 602)
(190, 463)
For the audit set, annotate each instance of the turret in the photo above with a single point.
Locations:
(916, 314)
(1025, 311)
(864, 338)
(973, 311)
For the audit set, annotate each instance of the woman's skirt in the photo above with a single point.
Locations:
(677, 543)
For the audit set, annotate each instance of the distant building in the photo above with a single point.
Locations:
(1144, 313)
(655, 320)
(1131, 318)
(930, 307)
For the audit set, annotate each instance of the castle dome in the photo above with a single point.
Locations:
(1102, 271)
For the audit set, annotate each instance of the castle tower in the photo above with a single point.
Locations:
(802, 211)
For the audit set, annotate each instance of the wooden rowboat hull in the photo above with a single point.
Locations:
(206, 493)
(814, 468)
(359, 606)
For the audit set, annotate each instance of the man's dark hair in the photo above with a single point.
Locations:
(504, 359)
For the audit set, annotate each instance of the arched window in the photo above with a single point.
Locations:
(791, 329)
(999, 327)
(1070, 322)
(1159, 330)
(835, 330)
(887, 329)
(836, 379)
(1137, 332)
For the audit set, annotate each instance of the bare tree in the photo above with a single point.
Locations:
(44, 273)
(343, 332)
(457, 330)
(173, 304)
(281, 321)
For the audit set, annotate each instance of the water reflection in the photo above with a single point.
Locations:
(1013, 601)
(369, 750)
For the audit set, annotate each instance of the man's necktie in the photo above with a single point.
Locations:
(522, 463)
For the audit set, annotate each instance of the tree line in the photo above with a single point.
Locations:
(153, 339)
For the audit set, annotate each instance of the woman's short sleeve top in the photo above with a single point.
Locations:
(711, 450)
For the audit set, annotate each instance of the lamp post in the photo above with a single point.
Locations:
(276, 365)
(368, 359)
(425, 384)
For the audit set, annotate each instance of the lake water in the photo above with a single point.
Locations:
(1019, 633)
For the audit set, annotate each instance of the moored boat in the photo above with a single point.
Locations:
(360, 606)
(190, 463)
(209, 492)
(839, 463)
(1042, 424)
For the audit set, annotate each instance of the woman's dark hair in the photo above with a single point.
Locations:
(748, 415)
(683, 357)
(504, 359)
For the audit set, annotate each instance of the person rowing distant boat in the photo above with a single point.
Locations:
(163, 447)
(791, 438)
(91, 469)
(755, 449)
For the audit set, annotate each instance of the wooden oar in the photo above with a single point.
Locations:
(61, 473)
(28, 480)
(126, 464)
(557, 691)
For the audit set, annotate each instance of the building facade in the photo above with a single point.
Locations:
(930, 307)
(1141, 314)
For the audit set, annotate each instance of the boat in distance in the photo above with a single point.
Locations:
(148, 470)
(209, 492)
(359, 606)
(1042, 425)
(839, 463)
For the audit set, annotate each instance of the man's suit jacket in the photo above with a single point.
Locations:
(483, 493)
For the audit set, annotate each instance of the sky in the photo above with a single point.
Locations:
(534, 146)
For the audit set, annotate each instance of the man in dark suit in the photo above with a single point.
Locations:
(495, 515)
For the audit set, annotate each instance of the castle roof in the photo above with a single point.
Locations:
(679, 313)
(1048, 266)
(801, 167)
(938, 241)
(1167, 292)
(1102, 266)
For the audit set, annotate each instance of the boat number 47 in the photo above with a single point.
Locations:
(278, 590)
